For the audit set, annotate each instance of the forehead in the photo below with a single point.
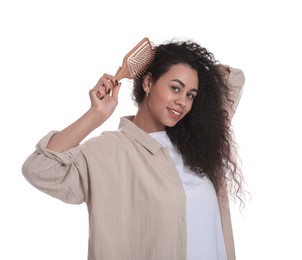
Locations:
(184, 73)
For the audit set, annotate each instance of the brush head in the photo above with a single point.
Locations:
(137, 60)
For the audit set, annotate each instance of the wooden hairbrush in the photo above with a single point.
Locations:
(136, 60)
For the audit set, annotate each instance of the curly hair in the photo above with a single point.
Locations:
(204, 136)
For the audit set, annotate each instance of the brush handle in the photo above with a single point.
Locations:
(123, 72)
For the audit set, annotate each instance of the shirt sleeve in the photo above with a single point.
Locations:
(61, 175)
(235, 81)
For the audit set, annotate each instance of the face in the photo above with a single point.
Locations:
(170, 98)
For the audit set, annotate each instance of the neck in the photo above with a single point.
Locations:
(145, 120)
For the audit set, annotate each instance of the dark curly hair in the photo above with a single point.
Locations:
(204, 136)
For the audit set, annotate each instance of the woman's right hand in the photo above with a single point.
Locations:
(104, 96)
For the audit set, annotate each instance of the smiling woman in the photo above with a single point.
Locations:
(169, 98)
(158, 187)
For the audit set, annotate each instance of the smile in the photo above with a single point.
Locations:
(174, 113)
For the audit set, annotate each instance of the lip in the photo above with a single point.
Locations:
(176, 114)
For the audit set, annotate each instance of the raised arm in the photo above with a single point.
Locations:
(104, 99)
(234, 79)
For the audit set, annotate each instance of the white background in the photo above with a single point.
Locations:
(53, 52)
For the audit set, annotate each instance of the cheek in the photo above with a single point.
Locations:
(158, 99)
(189, 107)
(155, 103)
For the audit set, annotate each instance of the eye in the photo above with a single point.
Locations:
(175, 89)
(191, 95)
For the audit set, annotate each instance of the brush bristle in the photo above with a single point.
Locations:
(141, 58)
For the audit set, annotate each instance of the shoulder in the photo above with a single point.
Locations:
(109, 140)
(107, 137)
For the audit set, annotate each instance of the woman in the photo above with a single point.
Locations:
(157, 187)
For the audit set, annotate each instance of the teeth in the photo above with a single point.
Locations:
(174, 112)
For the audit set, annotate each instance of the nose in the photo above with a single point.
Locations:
(181, 101)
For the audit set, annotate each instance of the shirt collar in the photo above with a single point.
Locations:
(127, 127)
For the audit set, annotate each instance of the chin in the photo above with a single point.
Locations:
(171, 124)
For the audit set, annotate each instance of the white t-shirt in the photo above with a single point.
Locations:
(204, 230)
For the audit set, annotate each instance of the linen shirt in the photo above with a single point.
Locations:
(204, 230)
(134, 196)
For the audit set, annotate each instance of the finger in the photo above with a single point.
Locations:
(111, 78)
(105, 85)
(115, 91)
(95, 95)
(104, 79)
(99, 91)
(109, 85)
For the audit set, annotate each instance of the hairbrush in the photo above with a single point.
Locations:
(137, 60)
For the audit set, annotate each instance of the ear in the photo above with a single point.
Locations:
(147, 83)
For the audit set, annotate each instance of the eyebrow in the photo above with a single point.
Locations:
(183, 84)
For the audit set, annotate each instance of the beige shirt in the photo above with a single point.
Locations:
(135, 198)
